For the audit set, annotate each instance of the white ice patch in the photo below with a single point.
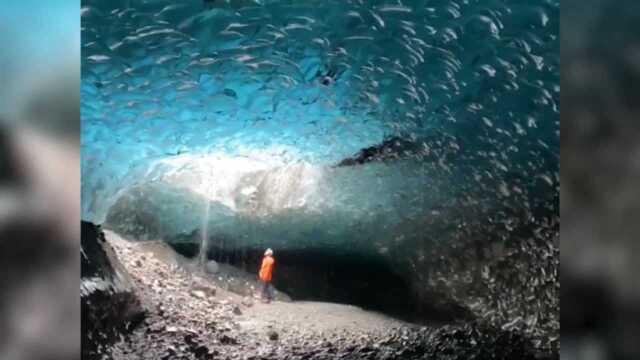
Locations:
(254, 184)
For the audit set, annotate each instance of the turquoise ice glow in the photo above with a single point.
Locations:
(312, 82)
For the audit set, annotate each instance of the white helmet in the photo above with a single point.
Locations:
(268, 252)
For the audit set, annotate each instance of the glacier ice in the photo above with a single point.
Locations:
(291, 206)
(319, 80)
(243, 110)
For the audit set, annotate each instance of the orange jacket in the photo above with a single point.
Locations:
(266, 269)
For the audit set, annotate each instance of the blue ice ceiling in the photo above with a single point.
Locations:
(175, 85)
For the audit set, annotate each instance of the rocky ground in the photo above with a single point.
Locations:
(191, 315)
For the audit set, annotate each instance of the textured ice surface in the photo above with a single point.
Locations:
(232, 99)
(292, 206)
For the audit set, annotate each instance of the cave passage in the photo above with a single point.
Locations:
(401, 156)
(331, 275)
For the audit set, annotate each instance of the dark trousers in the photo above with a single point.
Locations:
(267, 290)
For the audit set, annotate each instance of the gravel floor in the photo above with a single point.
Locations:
(190, 317)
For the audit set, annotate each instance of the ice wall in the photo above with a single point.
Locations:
(292, 207)
(314, 82)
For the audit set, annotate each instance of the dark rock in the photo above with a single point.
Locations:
(237, 311)
(273, 336)
(390, 149)
(227, 340)
(190, 339)
(109, 306)
(201, 351)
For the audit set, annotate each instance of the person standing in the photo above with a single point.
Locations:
(266, 275)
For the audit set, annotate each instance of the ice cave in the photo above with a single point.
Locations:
(401, 156)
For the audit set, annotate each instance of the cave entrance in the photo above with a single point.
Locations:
(324, 275)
